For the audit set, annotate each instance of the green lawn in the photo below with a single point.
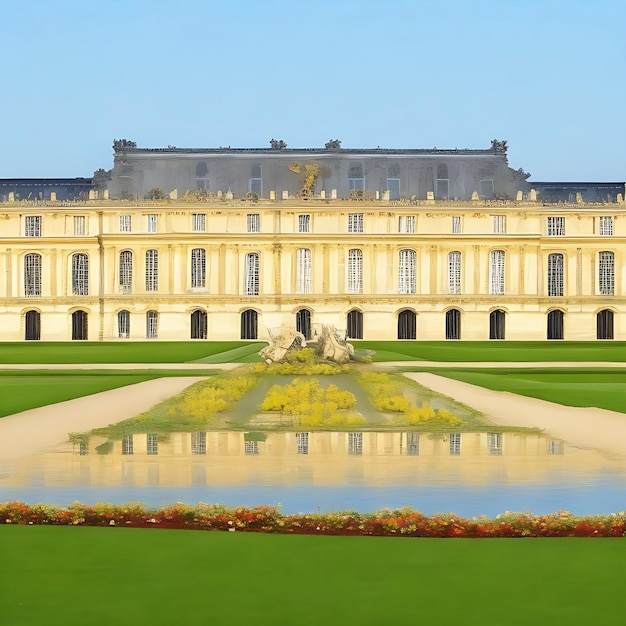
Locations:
(495, 350)
(29, 389)
(604, 388)
(129, 352)
(76, 576)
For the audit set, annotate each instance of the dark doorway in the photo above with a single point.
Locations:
(303, 323)
(407, 325)
(496, 324)
(33, 326)
(354, 325)
(198, 324)
(604, 324)
(249, 324)
(555, 325)
(79, 326)
(453, 324)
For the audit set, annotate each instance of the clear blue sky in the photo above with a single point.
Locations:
(547, 75)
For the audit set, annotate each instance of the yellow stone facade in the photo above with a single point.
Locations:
(399, 267)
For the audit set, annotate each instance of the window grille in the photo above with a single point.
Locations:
(455, 444)
(453, 324)
(355, 271)
(152, 270)
(32, 226)
(494, 443)
(251, 278)
(407, 275)
(79, 226)
(454, 273)
(456, 224)
(127, 444)
(606, 226)
(412, 444)
(556, 226)
(123, 324)
(198, 268)
(302, 441)
(32, 275)
(152, 325)
(254, 223)
(606, 273)
(496, 270)
(125, 223)
(499, 224)
(152, 222)
(198, 443)
(251, 448)
(555, 275)
(304, 271)
(406, 224)
(355, 444)
(355, 222)
(152, 444)
(304, 223)
(198, 221)
(126, 272)
(80, 275)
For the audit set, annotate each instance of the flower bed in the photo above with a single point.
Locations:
(266, 519)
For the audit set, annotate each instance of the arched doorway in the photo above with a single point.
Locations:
(303, 323)
(453, 324)
(79, 326)
(249, 324)
(198, 324)
(407, 324)
(354, 324)
(32, 326)
(555, 324)
(496, 324)
(604, 324)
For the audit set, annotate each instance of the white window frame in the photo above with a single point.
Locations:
(125, 278)
(123, 324)
(127, 445)
(495, 443)
(252, 274)
(126, 221)
(455, 444)
(151, 221)
(456, 225)
(80, 274)
(355, 444)
(152, 444)
(454, 272)
(80, 226)
(198, 442)
(302, 443)
(354, 279)
(497, 271)
(499, 224)
(407, 271)
(304, 223)
(304, 270)
(198, 222)
(606, 273)
(556, 226)
(406, 224)
(152, 270)
(152, 324)
(32, 226)
(605, 225)
(355, 222)
(253, 221)
(556, 274)
(32, 274)
(198, 268)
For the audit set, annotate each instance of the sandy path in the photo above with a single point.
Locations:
(500, 364)
(31, 431)
(119, 366)
(587, 427)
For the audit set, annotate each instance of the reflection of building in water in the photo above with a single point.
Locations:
(324, 458)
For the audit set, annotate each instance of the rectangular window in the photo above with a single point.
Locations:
(304, 223)
(406, 224)
(412, 444)
(254, 223)
(251, 448)
(455, 444)
(454, 273)
(152, 444)
(355, 222)
(486, 189)
(198, 222)
(605, 226)
(32, 275)
(125, 223)
(556, 226)
(407, 271)
(606, 273)
(32, 226)
(304, 271)
(79, 226)
(198, 443)
(496, 271)
(152, 325)
(355, 271)
(556, 282)
(152, 270)
(499, 224)
(198, 268)
(255, 184)
(152, 222)
(80, 275)
(456, 224)
(127, 444)
(393, 187)
(355, 444)
(251, 277)
(494, 443)
(302, 441)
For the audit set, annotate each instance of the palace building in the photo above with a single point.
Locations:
(224, 244)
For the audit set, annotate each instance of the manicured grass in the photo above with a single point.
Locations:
(495, 350)
(29, 389)
(603, 388)
(76, 576)
(128, 352)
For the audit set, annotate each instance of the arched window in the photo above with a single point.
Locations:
(555, 324)
(304, 271)
(407, 272)
(79, 326)
(123, 324)
(251, 277)
(80, 275)
(249, 324)
(32, 274)
(152, 325)
(354, 324)
(496, 272)
(198, 324)
(303, 323)
(126, 271)
(453, 324)
(407, 325)
(604, 324)
(152, 270)
(355, 271)
(496, 324)
(454, 273)
(198, 268)
(606, 273)
(32, 326)
(555, 275)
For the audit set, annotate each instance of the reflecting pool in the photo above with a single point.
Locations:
(468, 473)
